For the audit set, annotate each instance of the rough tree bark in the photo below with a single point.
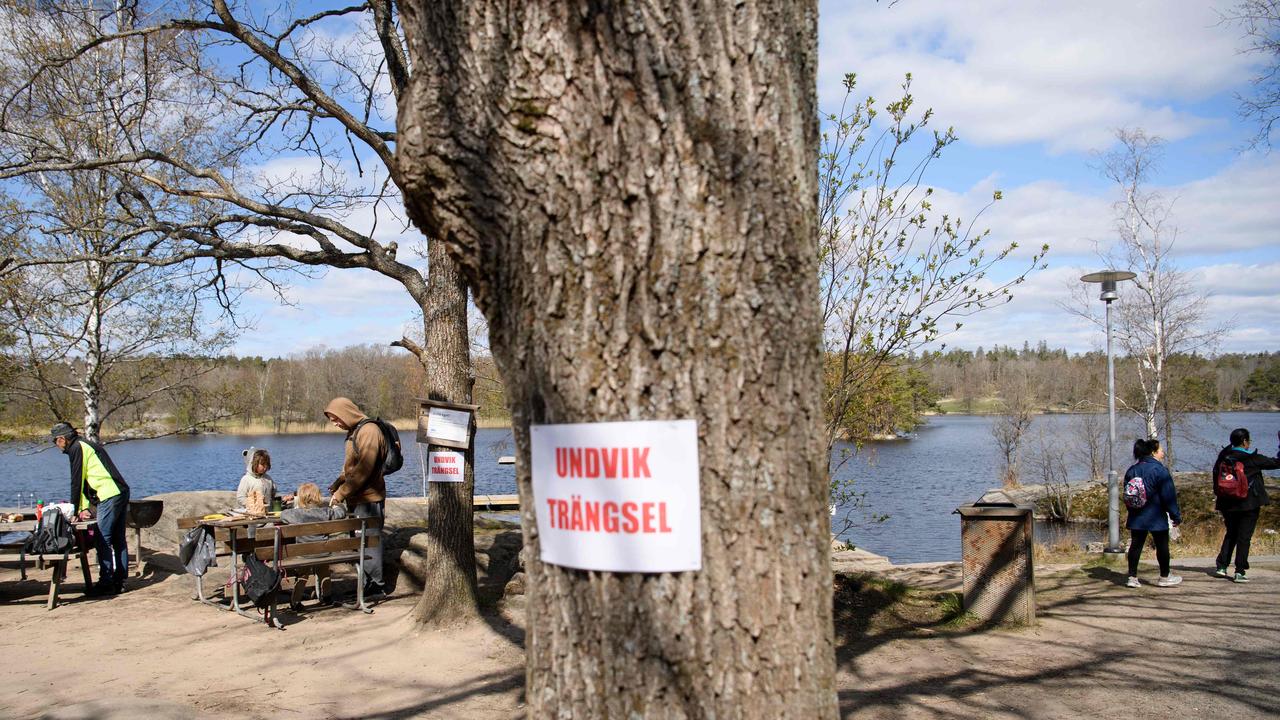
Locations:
(630, 189)
(449, 588)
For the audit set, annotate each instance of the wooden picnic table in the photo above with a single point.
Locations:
(292, 556)
(58, 562)
(232, 525)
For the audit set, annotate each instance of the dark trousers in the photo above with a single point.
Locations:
(1239, 534)
(113, 553)
(372, 565)
(1159, 538)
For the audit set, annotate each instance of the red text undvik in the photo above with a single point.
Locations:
(612, 463)
(440, 466)
(606, 516)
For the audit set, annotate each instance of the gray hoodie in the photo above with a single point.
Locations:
(294, 516)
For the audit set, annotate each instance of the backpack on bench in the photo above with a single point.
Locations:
(52, 536)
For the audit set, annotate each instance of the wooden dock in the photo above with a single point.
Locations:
(485, 503)
(496, 503)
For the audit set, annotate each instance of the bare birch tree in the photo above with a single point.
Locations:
(116, 327)
(115, 336)
(1161, 312)
(1011, 426)
(291, 160)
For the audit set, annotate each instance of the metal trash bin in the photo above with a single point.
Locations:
(996, 549)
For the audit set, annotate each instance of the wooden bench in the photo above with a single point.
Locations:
(297, 558)
(277, 544)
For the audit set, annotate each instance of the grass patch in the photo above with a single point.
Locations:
(1201, 530)
(1102, 560)
(868, 606)
(978, 406)
(892, 589)
(951, 605)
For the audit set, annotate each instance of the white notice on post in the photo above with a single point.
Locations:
(618, 496)
(448, 425)
(445, 466)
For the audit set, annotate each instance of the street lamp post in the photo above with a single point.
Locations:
(1108, 279)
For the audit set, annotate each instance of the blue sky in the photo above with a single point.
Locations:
(1034, 90)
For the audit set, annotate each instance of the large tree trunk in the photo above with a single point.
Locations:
(631, 190)
(449, 591)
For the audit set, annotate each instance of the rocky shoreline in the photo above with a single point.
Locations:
(498, 549)
(498, 543)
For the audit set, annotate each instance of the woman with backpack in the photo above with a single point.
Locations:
(1152, 500)
(1240, 510)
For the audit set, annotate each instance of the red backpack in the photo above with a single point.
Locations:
(1229, 480)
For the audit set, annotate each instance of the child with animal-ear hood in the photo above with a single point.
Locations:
(257, 463)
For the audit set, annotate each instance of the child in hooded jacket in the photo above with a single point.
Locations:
(257, 463)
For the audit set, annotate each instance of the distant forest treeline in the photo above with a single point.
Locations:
(283, 394)
(231, 393)
(1061, 382)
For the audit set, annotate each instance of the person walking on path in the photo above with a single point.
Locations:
(1152, 516)
(361, 487)
(1240, 515)
(95, 482)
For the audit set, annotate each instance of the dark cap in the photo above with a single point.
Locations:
(62, 430)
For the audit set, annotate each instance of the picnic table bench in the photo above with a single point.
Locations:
(13, 547)
(281, 547)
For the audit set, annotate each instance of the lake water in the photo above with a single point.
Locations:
(918, 482)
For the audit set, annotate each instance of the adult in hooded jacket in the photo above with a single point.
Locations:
(361, 487)
(1240, 515)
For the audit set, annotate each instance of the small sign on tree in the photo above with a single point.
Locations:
(446, 424)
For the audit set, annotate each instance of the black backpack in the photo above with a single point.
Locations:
(262, 582)
(53, 536)
(395, 458)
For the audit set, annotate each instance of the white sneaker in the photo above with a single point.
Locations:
(1169, 581)
(1133, 582)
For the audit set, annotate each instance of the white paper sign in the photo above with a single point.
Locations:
(618, 496)
(445, 466)
(449, 425)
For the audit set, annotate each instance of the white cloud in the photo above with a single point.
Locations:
(1241, 298)
(1236, 209)
(344, 307)
(1233, 211)
(1238, 281)
(1013, 71)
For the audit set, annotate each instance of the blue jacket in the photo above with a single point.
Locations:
(1162, 497)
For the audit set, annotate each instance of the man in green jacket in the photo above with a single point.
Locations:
(95, 481)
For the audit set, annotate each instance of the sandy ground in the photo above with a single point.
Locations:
(1206, 649)
(154, 653)
(1209, 648)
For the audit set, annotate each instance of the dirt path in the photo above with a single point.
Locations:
(154, 653)
(1207, 649)
(1099, 650)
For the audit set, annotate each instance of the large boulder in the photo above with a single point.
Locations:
(164, 535)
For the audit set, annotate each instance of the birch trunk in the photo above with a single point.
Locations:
(630, 189)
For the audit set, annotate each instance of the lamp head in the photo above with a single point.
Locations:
(1108, 280)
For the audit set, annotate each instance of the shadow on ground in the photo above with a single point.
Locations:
(1206, 648)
